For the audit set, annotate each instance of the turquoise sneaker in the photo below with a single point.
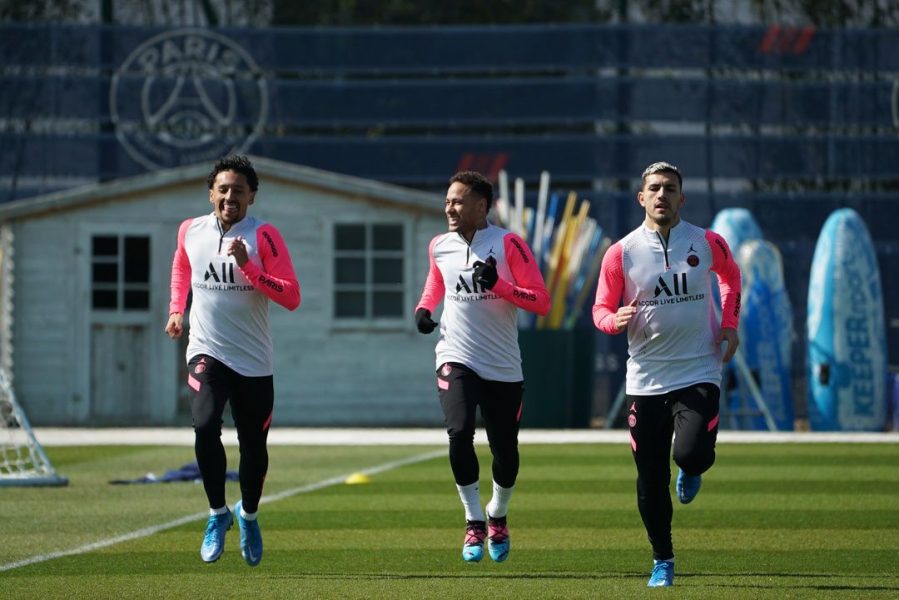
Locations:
(662, 574)
(497, 538)
(250, 537)
(214, 538)
(687, 486)
(473, 547)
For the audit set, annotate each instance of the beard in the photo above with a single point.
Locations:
(663, 220)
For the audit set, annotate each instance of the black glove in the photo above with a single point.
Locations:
(485, 273)
(423, 321)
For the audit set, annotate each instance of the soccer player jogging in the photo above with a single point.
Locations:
(233, 264)
(483, 274)
(655, 284)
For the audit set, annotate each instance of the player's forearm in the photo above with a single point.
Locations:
(283, 290)
(532, 299)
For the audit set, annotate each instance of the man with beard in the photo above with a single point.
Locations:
(655, 284)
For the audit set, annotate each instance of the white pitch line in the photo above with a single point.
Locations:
(154, 529)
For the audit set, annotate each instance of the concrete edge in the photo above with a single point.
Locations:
(183, 436)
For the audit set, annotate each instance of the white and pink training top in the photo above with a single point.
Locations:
(478, 327)
(229, 311)
(671, 338)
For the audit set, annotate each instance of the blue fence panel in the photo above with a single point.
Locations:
(411, 104)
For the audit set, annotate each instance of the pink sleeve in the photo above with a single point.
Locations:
(529, 290)
(432, 294)
(180, 283)
(609, 291)
(276, 279)
(728, 272)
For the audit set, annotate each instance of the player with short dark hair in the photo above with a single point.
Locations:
(483, 274)
(655, 284)
(233, 264)
(240, 165)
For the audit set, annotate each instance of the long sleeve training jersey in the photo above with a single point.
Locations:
(229, 311)
(671, 338)
(479, 328)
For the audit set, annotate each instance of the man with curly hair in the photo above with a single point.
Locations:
(233, 264)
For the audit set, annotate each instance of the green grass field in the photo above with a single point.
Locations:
(772, 521)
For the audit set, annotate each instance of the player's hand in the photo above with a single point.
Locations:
(174, 326)
(485, 273)
(625, 314)
(238, 250)
(423, 321)
(729, 335)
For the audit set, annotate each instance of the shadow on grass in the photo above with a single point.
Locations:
(492, 575)
(736, 583)
(607, 576)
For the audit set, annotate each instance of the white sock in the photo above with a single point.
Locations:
(218, 511)
(499, 503)
(248, 516)
(471, 499)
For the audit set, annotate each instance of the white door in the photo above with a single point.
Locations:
(123, 364)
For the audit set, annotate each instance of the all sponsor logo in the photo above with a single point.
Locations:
(226, 275)
(185, 96)
(679, 283)
(671, 291)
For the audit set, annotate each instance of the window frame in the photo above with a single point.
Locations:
(397, 323)
(120, 287)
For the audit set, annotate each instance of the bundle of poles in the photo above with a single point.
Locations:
(567, 243)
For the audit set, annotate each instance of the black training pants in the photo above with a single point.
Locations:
(251, 399)
(691, 415)
(461, 391)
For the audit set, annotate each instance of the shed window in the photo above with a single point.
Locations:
(120, 272)
(369, 271)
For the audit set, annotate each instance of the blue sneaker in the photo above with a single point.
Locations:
(687, 486)
(473, 547)
(662, 574)
(250, 537)
(214, 538)
(497, 538)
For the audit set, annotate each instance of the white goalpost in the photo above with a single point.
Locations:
(23, 461)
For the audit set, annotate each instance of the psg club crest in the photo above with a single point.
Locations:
(693, 260)
(185, 96)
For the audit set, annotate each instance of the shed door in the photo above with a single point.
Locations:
(120, 350)
(119, 378)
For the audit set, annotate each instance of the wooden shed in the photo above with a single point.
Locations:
(87, 288)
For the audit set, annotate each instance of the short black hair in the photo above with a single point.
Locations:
(479, 184)
(238, 164)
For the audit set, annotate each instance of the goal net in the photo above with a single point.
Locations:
(23, 461)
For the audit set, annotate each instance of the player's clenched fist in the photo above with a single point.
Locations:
(423, 321)
(625, 314)
(174, 327)
(485, 273)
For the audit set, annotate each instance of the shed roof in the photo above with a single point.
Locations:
(354, 188)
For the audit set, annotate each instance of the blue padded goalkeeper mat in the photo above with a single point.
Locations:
(846, 333)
